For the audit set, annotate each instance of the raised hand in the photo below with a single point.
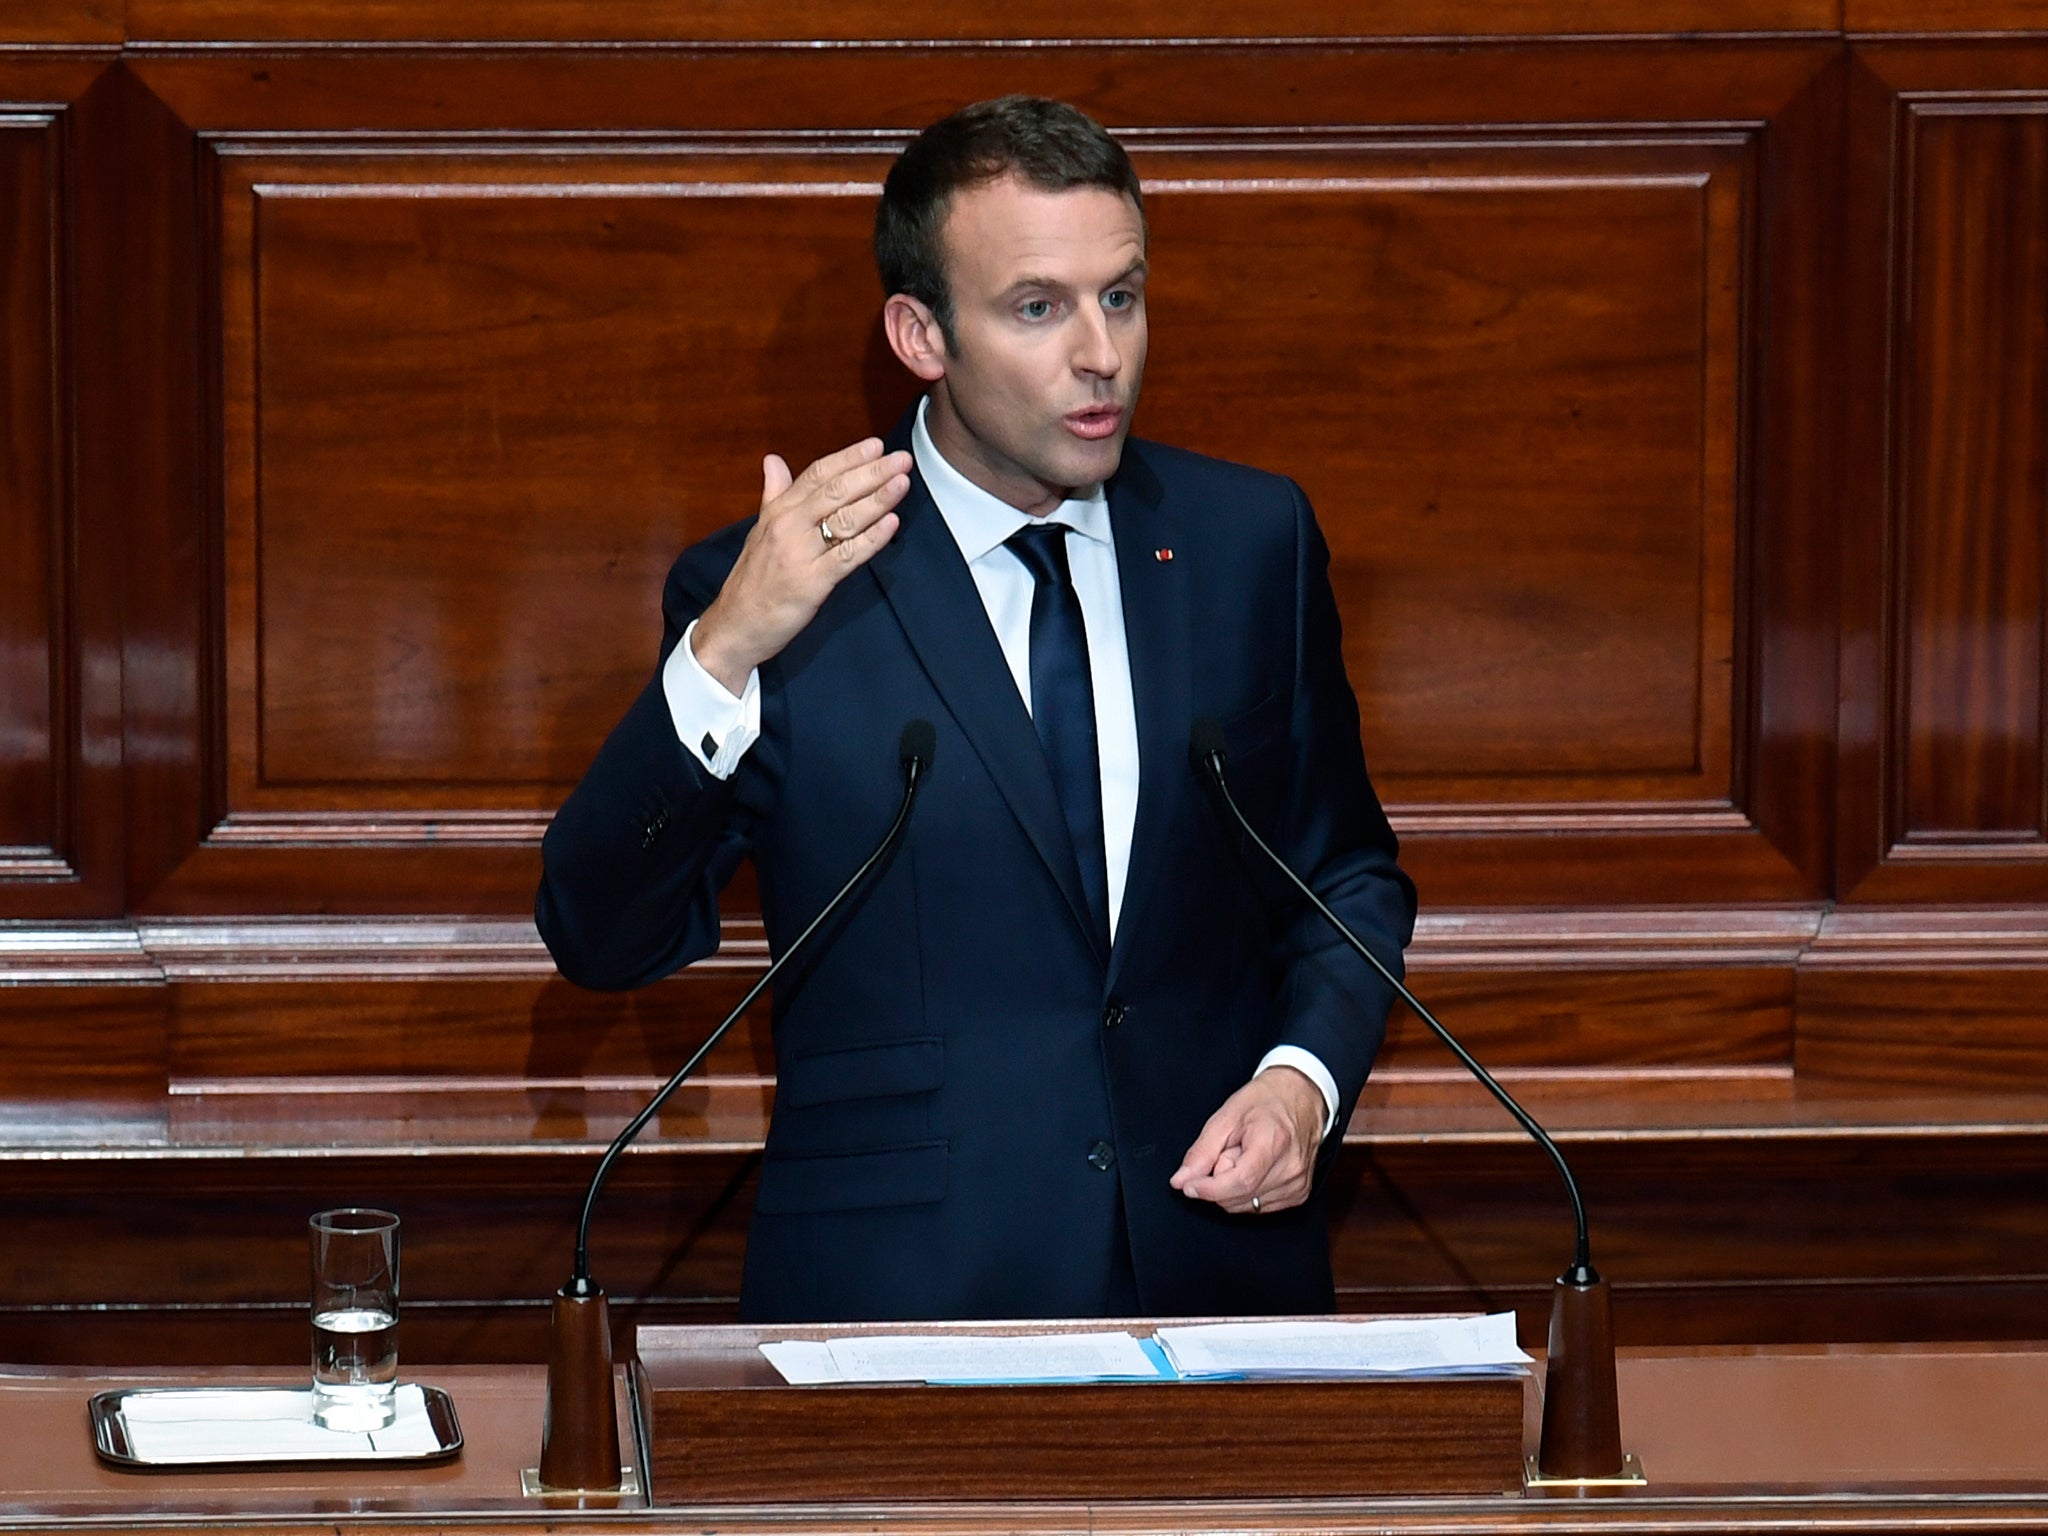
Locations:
(814, 531)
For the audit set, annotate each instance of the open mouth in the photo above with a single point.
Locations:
(1095, 422)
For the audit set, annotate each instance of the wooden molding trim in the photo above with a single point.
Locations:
(322, 948)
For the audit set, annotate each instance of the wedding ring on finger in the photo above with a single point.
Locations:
(826, 532)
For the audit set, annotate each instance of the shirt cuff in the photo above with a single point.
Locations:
(712, 725)
(1310, 1066)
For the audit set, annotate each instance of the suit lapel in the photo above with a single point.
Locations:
(934, 598)
(1157, 635)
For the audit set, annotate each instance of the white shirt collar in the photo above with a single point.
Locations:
(980, 522)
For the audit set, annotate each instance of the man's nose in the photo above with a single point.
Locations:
(1096, 350)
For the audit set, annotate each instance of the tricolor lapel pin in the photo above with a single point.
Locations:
(1162, 555)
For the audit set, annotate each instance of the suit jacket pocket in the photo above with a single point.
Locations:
(1251, 731)
(878, 1071)
(852, 1181)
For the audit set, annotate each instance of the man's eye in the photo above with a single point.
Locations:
(1035, 309)
(1119, 298)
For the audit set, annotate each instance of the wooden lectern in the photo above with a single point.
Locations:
(722, 1427)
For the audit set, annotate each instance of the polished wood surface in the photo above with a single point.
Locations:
(578, 20)
(1975, 480)
(1864, 1440)
(31, 600)
(48, 1468)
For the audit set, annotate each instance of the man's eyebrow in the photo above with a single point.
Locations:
(1137, 268)
(1025, 284)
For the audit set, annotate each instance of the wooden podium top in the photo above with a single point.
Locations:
(1814, 1419)
(48, 1470)
(1861, 1439)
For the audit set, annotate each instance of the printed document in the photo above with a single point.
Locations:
(1436, 1346)
(939, 1359)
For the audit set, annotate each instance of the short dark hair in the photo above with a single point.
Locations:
(1049, 144)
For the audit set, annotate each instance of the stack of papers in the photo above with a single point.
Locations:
(1431, 1346)
(1381, 1346)
(957, 1358)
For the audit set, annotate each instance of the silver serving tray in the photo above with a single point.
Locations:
(192, 1427)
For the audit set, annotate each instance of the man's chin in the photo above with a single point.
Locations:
(1092, 463)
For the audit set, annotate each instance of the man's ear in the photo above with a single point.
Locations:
(915, 336)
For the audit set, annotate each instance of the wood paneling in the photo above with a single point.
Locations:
(1803, 1229)
(888, 91)
(1461, 349)
(1912, 1000)
(543, 1030)
(464, 429)
(1943, 793)
(81, 1061)
(62, 21)
(1673, 402)
(1974, 486)
(34, 660)
(496, 396)
(1937, 16)
(571, 21)
(60, 571)
(480, 425)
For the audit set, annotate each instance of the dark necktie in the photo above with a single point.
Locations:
(1063, 703)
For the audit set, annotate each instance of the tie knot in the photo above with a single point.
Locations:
(1043, 549)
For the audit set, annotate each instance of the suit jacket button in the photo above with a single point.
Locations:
(1102, 1155)
(1113, 1015)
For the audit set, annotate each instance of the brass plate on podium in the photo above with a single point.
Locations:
(722, 1427)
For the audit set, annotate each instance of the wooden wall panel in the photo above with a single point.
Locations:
(882, 92)
(1946, 575)
(34, 659)
(1508, 379)
(1939, 16)
(1974, 487)
(466, 419)
(493, 404)
(693, 20)
(60, 682)
(1903, 1000)
(1789, 1236)
(62, 21)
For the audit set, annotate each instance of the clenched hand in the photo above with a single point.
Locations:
(1261, 1144)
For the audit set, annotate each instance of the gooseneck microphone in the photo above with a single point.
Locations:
(914, 750)
(580, 1439)
(1581, 1415)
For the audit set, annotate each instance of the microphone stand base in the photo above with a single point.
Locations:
(1536, 1480)
(1581, 1414)
(579, 1448)
(531, 1487)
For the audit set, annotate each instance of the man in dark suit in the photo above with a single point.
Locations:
(1070, 1053)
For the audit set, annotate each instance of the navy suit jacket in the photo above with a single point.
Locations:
(954, 1048)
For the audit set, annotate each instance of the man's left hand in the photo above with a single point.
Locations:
(1261, 1144)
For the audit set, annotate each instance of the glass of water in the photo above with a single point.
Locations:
(355, 1318)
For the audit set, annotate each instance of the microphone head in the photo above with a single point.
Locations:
(1206, 749)
(917, 744)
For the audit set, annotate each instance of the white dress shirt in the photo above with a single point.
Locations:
(718, 728)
